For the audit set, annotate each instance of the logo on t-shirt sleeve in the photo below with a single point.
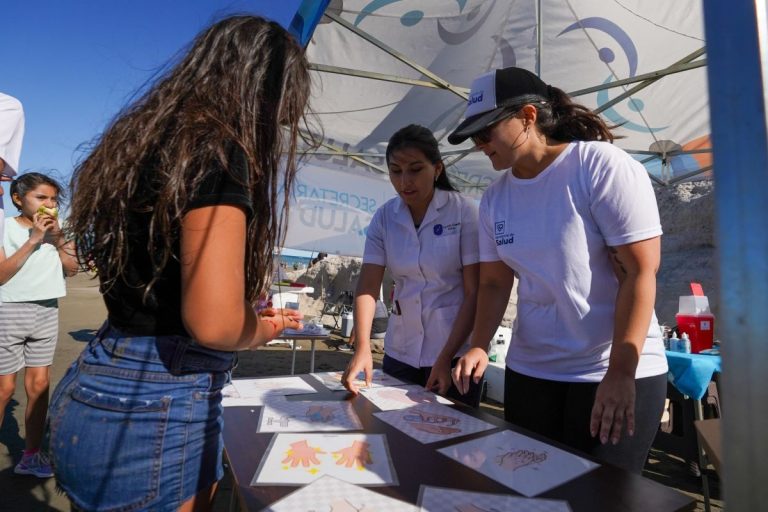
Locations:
(501, 235)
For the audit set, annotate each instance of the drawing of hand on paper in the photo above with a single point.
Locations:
(302, 453)
(356, 453)
(432, 423)
(320, 413)
(520, 458)
(346, 506)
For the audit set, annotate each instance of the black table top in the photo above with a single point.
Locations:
(606, 488)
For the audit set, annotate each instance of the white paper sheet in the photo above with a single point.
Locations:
(255, 392)
(430, 423)
(296, 459)
(526, 465)
(333, 495)
(305, 416)
(434, 499)
(332, 380)
(389, 398)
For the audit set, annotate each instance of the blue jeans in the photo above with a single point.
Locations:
(136, 422)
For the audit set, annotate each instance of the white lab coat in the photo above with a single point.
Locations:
(427, 266)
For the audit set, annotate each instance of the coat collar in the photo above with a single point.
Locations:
(403, 214)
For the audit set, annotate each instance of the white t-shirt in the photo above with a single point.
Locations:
(42, 275)
(427, 266)
(554, 231)
(11, 136)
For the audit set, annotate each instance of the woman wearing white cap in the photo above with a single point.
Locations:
(427, 237)
(575, 219)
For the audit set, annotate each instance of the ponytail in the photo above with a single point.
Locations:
(561, 119)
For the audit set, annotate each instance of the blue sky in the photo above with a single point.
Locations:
(74, 64)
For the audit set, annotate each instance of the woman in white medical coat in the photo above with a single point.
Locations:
(427, 238)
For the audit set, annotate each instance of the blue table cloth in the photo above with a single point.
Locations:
(692, 373)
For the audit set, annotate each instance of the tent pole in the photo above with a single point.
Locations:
(460, 92)
(379, 76)
(643, 85)
(653, 75)
(538, 38)
(737, 47)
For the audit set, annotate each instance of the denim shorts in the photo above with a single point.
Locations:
(136, 422)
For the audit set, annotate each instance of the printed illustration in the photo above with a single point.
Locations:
(302, 416)
(332, 380)
(429, 423)
(255, 392)
(525, 465)
(434, 499)
(520, 458)
(295, 459)
(328, 494)
(389, 398)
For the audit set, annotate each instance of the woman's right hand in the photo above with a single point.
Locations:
(471, 365)
(362, 361)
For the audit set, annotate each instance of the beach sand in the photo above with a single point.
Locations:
(82, 312)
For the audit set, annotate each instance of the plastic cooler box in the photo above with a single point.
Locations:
(700, 328)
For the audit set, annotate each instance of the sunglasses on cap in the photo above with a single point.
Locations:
(484, 135)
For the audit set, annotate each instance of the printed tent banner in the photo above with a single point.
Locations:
(380, 65)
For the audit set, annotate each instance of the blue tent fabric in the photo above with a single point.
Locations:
(306, 19)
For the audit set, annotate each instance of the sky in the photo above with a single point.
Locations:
(74, 64)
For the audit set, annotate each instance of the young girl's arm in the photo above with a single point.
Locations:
(9, 266)
(213, 305)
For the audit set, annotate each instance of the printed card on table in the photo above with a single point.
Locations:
(332, 380)
(388, 398)
(297, 459)
(433, 499)
(430, 423)
(255, 392)
(306, 416)
(525, 465)
(333, 495)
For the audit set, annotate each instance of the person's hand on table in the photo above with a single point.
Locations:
(358, 454)
(439, 379)
(302, 453)
(614, 407)
(471, 366)
(278, 320)
(362, 361)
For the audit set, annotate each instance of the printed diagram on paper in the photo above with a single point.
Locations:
(389, 398)
(433, 499)
(328, 494)
(332, 380)
(304, 416)
(296, 459)
(255, 392)
(430, 423)
(526, 465)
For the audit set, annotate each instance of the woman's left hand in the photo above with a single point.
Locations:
(614, 407)
(440, 377)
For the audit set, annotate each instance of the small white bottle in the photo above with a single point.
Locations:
(674, 343)
(685, 343)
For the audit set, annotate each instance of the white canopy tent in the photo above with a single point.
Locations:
(382, 64)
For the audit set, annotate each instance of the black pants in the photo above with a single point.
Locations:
(561, 411)
(400, 370)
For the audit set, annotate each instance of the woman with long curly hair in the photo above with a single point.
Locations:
(179, 206)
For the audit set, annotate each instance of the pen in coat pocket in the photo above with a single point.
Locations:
(398, 311)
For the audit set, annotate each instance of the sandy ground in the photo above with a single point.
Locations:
(82, 312)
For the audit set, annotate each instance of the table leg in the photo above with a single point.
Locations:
(698, 412)
(312, 356)
(293, 357)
